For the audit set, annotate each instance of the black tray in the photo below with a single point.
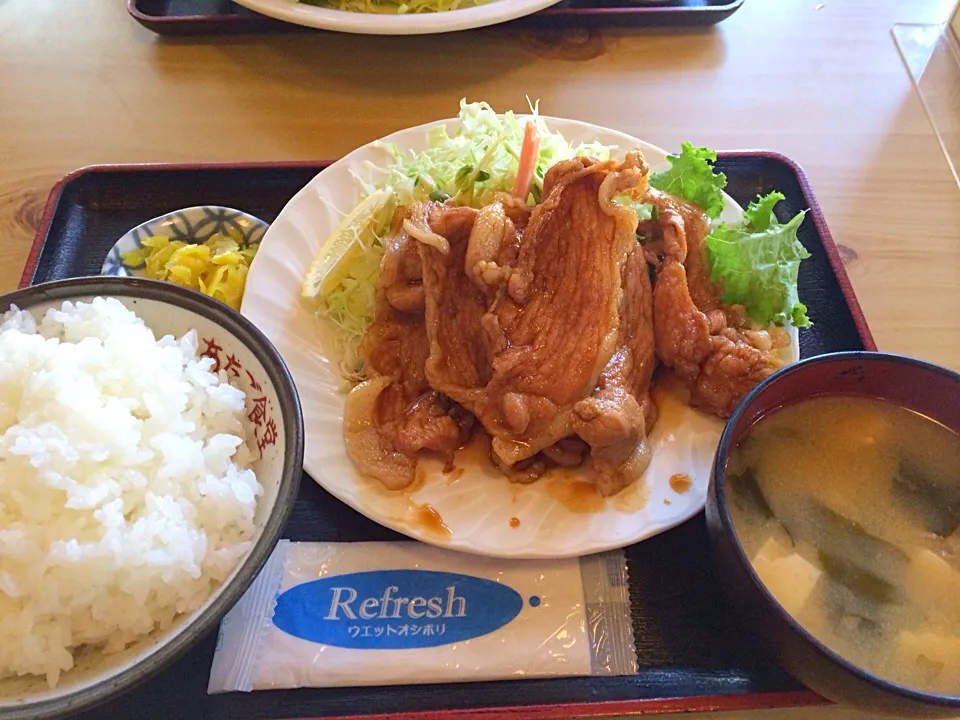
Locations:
(691, 657)
(198, 17)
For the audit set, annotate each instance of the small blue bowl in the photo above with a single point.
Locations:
(191, 225)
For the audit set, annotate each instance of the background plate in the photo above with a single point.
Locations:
(490, 13)
(478, 506)
(197, 17)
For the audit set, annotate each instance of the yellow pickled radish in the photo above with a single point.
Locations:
(216, 267)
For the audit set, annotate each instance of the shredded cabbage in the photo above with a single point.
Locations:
(349, 302)
(350, 306)
(395, 7)
(471, 164)
(475, 162)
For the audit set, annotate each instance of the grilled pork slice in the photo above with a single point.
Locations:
(617, 417)
(393, 416)
(537, 323)
(709, 346)
(556, 319)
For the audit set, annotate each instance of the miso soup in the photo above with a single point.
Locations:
(849, 510)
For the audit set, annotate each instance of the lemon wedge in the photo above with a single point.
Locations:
(357, 230)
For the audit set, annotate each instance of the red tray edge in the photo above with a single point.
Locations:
(609, 708)
(833, 254)
(143, 17)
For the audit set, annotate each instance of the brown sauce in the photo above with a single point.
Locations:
(476, 451)
(576, 496)
(427, 518)
(632, 498)
(680, 482)
(419, 478)
(671, 398)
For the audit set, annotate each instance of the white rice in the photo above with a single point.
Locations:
(125, 492)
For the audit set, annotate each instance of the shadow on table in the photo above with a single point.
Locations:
(409, 66)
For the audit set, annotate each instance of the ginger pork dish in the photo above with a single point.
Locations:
(538, 295)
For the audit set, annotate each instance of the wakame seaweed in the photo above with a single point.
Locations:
(937, 505)
(747, 493)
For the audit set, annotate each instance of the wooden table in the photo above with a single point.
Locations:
(818, 80)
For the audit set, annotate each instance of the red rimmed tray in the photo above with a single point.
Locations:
(199, 17)
(690, 657)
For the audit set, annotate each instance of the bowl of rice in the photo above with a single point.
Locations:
(151, 445)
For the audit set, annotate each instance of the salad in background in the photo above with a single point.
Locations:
(395, 7)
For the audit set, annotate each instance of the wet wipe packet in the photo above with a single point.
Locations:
(389, 613)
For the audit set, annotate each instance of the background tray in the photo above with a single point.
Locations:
(690, 657)
(197, 17)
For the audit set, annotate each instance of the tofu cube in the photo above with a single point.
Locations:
(939, 650)
(934, 584)
(788, 576)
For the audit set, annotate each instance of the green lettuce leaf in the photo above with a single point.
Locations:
(691, 176)
(758, 262)
(759, 214)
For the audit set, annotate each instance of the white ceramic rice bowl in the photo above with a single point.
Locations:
(250, 361)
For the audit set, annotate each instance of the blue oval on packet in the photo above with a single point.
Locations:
(395, 609)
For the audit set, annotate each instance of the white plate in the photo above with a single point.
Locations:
(477, 507)
(490, 13)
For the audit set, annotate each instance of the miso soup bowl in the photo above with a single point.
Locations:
(913, 384)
